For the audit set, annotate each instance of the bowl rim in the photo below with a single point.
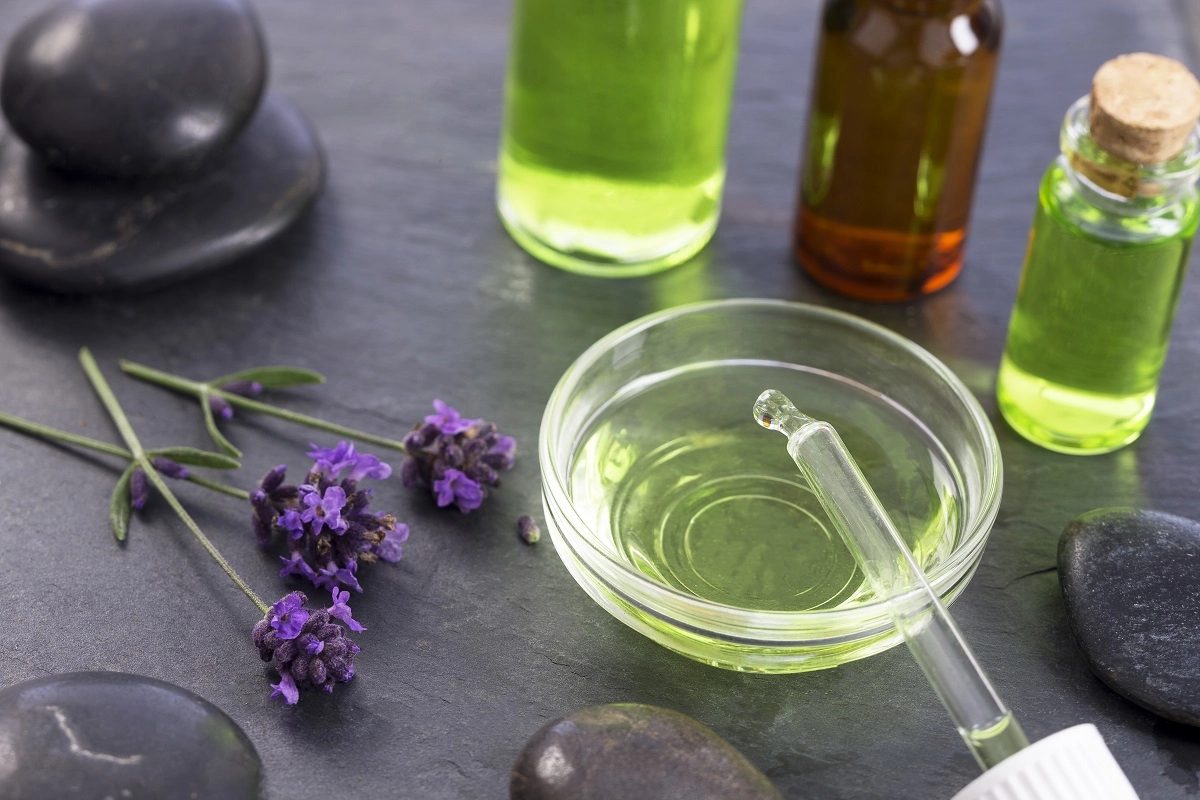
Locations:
(777, 628)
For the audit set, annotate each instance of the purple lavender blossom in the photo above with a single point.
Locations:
(455, 488)
(220, 407)
(448, 420)
(139, 489)
(287, 616)
(340, 610)
(296, 565)
(456, 458)
(330, 575)
(327, 522)
(324, 510)
(333, 461)
(389, 549)
(368, 466)
(292, 522)
(337, 458)
(286, 688)
(318, 656)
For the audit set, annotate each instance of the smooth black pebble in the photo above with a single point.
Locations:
(131, 88)
(70, 234)
(1131, 582)
(108, 734)
(633, 752)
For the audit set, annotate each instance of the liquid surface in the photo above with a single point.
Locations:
(899, 107)
(1092, 321)
(612, 156)
(679, 481)
(997, 742)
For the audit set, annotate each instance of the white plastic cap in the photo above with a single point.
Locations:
(1074, 764)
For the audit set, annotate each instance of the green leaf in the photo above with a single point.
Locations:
(272, 377)
(196, 457)
(121, 504)
(210, 422)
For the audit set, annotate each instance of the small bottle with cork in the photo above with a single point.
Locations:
(1107, 255)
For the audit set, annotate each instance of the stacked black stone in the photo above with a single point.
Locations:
(144, 149)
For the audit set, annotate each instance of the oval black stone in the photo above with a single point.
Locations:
(70, 234)
(1131, 580)
(633, 752)
(133, 87)
(108, 734)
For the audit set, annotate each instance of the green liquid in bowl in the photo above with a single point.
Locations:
(676, 478)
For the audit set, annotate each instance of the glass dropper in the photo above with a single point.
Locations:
(986, 724)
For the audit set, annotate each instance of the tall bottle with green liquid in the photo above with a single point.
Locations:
(1107, 255)
(612, 158)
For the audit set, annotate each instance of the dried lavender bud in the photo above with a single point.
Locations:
(220, 407)
(139, 489)
(243, 388)
(169, 468)
(528, 530)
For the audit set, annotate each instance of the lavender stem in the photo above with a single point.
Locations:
(113, 406)
(200, 390)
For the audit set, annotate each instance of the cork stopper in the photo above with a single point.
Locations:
(1143, 107)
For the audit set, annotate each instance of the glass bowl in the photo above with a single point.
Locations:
(688, 522)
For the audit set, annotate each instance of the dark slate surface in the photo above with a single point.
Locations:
(403, 287)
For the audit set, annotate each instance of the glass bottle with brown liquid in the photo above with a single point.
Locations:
(899, 106)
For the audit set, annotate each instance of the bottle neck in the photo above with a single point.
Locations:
(928, 8)
(1121, 187)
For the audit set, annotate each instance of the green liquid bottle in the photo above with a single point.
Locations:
(612, 158)
(1106, 260)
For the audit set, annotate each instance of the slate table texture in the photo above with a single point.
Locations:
(401, 286)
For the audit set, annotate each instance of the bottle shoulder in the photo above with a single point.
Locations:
(939, 33)
(1061, 198)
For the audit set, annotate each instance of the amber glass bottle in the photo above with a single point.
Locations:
(899, 104)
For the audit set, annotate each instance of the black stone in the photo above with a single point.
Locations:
(108, 734)
(133, 87)
(1131, 580)
(633, 752)
(70, 234)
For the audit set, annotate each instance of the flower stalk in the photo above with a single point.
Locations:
(143, 460)
(66, 437)
(203, 391)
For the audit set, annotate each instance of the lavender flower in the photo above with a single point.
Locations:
(315, 653)
(456, 458)
(287, 616)
(448, 420)
(323, 511)
(327, 522)
(341, 611)
(456, 488)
